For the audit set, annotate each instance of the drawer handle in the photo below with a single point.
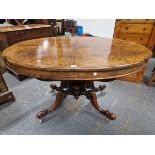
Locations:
(144, 29)
(39, 31)
(126, 28)
(124, 38)
(141, 38)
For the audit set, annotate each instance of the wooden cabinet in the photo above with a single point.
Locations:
(13, 34)
(10, 35)
(136, 28)
(141, 31)
(5, 94)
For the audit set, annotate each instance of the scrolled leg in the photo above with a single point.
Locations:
(59, 97)
(54, 87)
(93, 99)
(100, 88)
(90, 85)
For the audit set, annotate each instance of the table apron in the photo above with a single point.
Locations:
(75, 75)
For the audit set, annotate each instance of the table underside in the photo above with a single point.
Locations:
(76, 88)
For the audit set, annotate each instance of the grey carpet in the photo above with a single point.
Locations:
(133, 103)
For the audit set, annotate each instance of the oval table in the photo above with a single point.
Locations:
(77, 62)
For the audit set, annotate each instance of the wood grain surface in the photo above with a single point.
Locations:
(76, 58)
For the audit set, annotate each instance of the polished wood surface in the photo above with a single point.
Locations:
(76, 57)
(141, 31)
(22, 27)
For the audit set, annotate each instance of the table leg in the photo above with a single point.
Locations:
(93, 99)
(59, 98)
(76, 88)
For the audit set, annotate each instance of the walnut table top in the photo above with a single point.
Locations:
(76, 58)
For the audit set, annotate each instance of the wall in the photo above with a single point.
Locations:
(98, 27)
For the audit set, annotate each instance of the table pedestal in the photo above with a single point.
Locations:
(76, 88)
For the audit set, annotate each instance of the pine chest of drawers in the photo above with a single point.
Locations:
(141, 31)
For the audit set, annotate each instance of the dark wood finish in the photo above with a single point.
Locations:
(76, 62)
(76, 89)
(13, 34)
(141, 31)
(3, 41)
(5, 94)
(60, 27)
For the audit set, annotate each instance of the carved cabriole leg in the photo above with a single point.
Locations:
(93, 99)
(76, 88)
(59, 98)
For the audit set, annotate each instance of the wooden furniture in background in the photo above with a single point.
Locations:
(52, 22)
(77, 62)
(13, 34)
(10, 35)
(141, 31)
(60, 24)
(5, 94)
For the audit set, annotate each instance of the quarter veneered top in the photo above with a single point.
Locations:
(76, 53)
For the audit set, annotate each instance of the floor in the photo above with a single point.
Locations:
(133, 103)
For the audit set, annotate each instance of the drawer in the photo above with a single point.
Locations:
(21, 35)
(136, 28)
(136, 21)
(14, 36)
(37, 33)
(142, 39)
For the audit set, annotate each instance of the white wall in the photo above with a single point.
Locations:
(98, 27)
